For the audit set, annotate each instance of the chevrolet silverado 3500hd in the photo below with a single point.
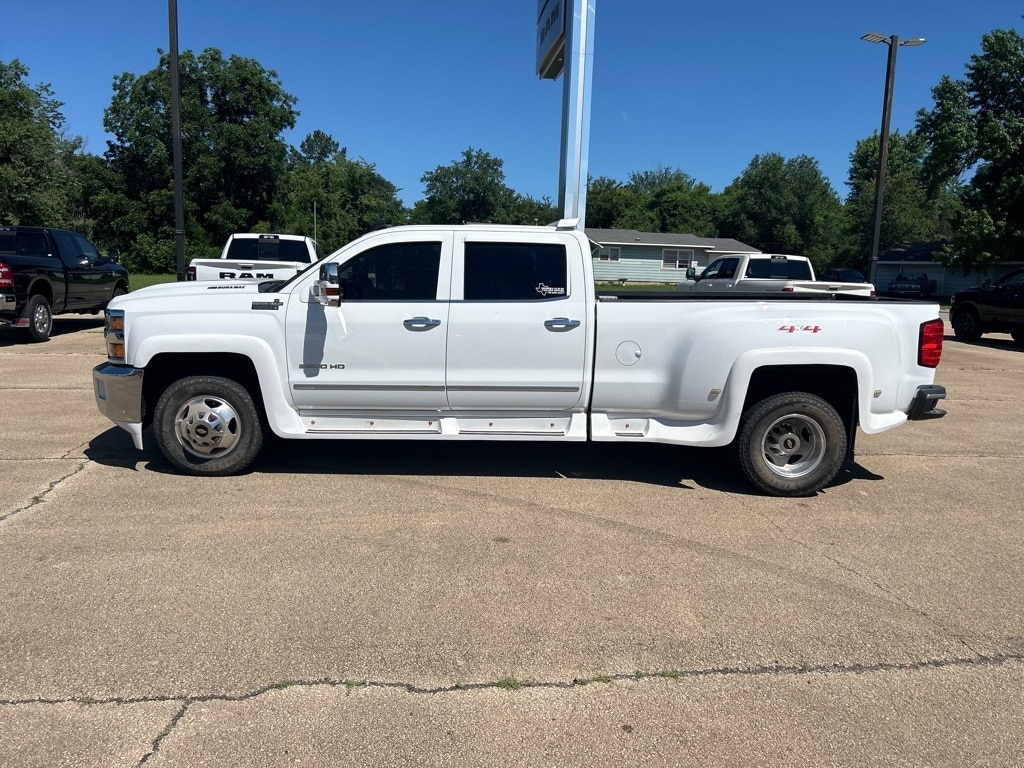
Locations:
(486, 332)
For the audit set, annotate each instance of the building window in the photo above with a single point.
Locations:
(609, 254)
(673, 258)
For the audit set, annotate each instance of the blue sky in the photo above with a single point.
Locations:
(408, 84)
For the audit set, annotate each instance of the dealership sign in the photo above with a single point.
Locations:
(550, 38)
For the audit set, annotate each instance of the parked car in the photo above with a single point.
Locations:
(844, 275)
(990, 308)
(915, 285)
(766, 272)
(252, 258)
(45, 271)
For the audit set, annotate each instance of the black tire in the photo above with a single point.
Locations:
(1018, 336)
(208, 425)
(791, 444)
(40, 319)
(118, 291)
(967, 325)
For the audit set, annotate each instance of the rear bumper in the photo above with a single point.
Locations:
(923, 405)
(8, 302)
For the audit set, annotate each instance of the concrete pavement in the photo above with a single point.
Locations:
(413, 603)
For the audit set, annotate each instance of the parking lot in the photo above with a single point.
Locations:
(404, 603)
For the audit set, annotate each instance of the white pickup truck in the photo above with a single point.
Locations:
(486, 332)
(254, 257)
(766, 272)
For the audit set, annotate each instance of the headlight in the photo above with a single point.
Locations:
(113, 334)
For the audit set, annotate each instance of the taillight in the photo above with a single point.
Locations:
(190, 273)
(6, 276)
(929, 343)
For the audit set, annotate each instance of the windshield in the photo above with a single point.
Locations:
(779, 269)
(268, 248)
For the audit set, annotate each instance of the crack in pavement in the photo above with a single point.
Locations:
(40, 498)
(957, 637)
(511, 685)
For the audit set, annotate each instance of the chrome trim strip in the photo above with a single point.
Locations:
(513, 389)
(366, 388)
(420, 388)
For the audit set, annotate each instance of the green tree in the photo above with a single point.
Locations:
(348, 197)
(34, 154)
(913, 210)
(785, 206)
(976, 130)
(233, 113)
(607, 202)
(662, 200)
(473, 189)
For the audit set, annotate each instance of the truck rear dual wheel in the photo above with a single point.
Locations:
(208, 425)
(791, 444)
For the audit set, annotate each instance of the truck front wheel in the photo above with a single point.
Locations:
(208, 425)
(791, 444)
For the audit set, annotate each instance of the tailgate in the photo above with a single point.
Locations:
(254, 271)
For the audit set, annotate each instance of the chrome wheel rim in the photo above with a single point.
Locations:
(207, 426)
(793, 446)
(41, 319)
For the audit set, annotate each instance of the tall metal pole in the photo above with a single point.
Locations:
(883, 154)
(579, 68)
(179, 207)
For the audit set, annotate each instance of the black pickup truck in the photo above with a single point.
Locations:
(45, 271)
(990, 308)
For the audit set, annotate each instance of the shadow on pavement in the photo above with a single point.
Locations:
(1004, 342)
(63, 325)
(662, 465)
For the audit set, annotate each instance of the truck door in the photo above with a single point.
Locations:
(518, 326)
(1008, 298)
(383, 348)
(77, 273)
(720, 275)
(94, 274)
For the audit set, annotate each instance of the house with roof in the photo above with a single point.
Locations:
(652, 257)
(911, 258)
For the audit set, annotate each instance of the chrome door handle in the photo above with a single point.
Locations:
(561, 324)
(420, 323)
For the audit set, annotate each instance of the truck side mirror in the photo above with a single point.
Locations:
(114, 256)
(327, 290)
(691, 273)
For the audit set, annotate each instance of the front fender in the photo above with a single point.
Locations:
(281, 417)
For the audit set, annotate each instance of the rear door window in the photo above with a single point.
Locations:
(515, 272)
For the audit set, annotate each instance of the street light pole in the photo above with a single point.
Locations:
(179, 207)
(883, 140)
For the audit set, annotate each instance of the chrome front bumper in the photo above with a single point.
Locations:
(118, 391)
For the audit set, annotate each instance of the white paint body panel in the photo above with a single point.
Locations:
(672, 370)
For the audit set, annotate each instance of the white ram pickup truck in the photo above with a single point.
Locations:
(766, 272)
(486, 332)
(254, 257)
